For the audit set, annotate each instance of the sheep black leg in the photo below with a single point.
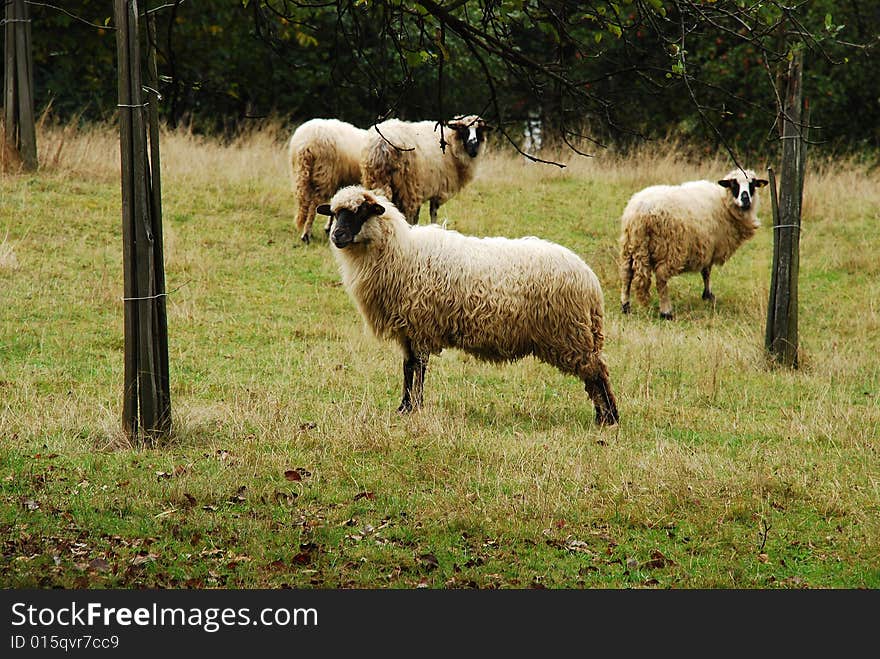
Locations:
(409, 363)
(434, 206)
(626, 276)
(413, 380)
(707, 289)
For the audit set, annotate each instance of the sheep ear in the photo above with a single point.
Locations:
(724, 183)
(760, 182)
(376, 209)
(324, 209)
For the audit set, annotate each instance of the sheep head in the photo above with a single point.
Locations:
(350, 209)
(471, 132)
(742, 185)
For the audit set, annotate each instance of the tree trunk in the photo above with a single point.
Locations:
(18, 96)
(781, 337)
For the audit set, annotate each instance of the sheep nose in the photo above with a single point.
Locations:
(745, 200)
(341, 239)
(472, 146)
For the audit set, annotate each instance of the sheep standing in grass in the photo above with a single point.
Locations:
(405, 160)
(499, 299)
(670, 229)
(324, 155)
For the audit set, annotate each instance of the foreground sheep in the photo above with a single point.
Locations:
(324, 155)
(670, 229)
(405, 160)
(498, 299)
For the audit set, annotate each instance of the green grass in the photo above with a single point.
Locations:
(724, 472)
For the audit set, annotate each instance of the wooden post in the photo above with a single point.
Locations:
(18, 97)
(781, 337)
(146, 408)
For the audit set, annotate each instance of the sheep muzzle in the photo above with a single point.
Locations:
(341, 237)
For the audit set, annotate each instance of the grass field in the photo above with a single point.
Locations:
(288, 464)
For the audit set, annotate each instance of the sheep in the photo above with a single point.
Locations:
(670, 229)
(499, 299)
(324, 155)
(406, 161)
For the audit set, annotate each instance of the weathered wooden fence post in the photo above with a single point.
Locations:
(146, 408)
(19, 125)
(781, 337)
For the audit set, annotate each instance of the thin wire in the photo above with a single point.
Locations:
(156, 296)
(147, 297)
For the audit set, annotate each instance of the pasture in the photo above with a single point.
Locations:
(289, 466)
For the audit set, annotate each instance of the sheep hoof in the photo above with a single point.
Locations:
(666, 316)
(707, 295)
(405, 408)
(625, 307)
(305, 238)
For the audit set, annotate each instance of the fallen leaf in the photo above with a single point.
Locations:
(658, 560)
(308, 425)
(579, 546)
(428, 561)
(285, 497)
(140, 560)
(364, 495)
(302, 558)
(190, 499)
(30, 504)
(99, 564)
(632, 564)
(292, 475)
(763, 557)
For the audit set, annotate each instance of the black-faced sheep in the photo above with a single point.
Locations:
(324, 155)
(499, 299)
(405, 160)
(670, 229)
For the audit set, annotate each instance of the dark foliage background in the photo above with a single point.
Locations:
(611, 71)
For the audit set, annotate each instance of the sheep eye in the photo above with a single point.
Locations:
(734, 188)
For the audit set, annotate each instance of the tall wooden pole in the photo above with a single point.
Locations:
(18, 96)
(146, 408)
(781, 336)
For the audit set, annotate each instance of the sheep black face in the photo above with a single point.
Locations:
(742, 188)
(471, 132)
(347, 224)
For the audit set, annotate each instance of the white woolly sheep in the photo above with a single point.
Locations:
(324, 155)
(405, 160)
(670, 229)
(499, 299)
